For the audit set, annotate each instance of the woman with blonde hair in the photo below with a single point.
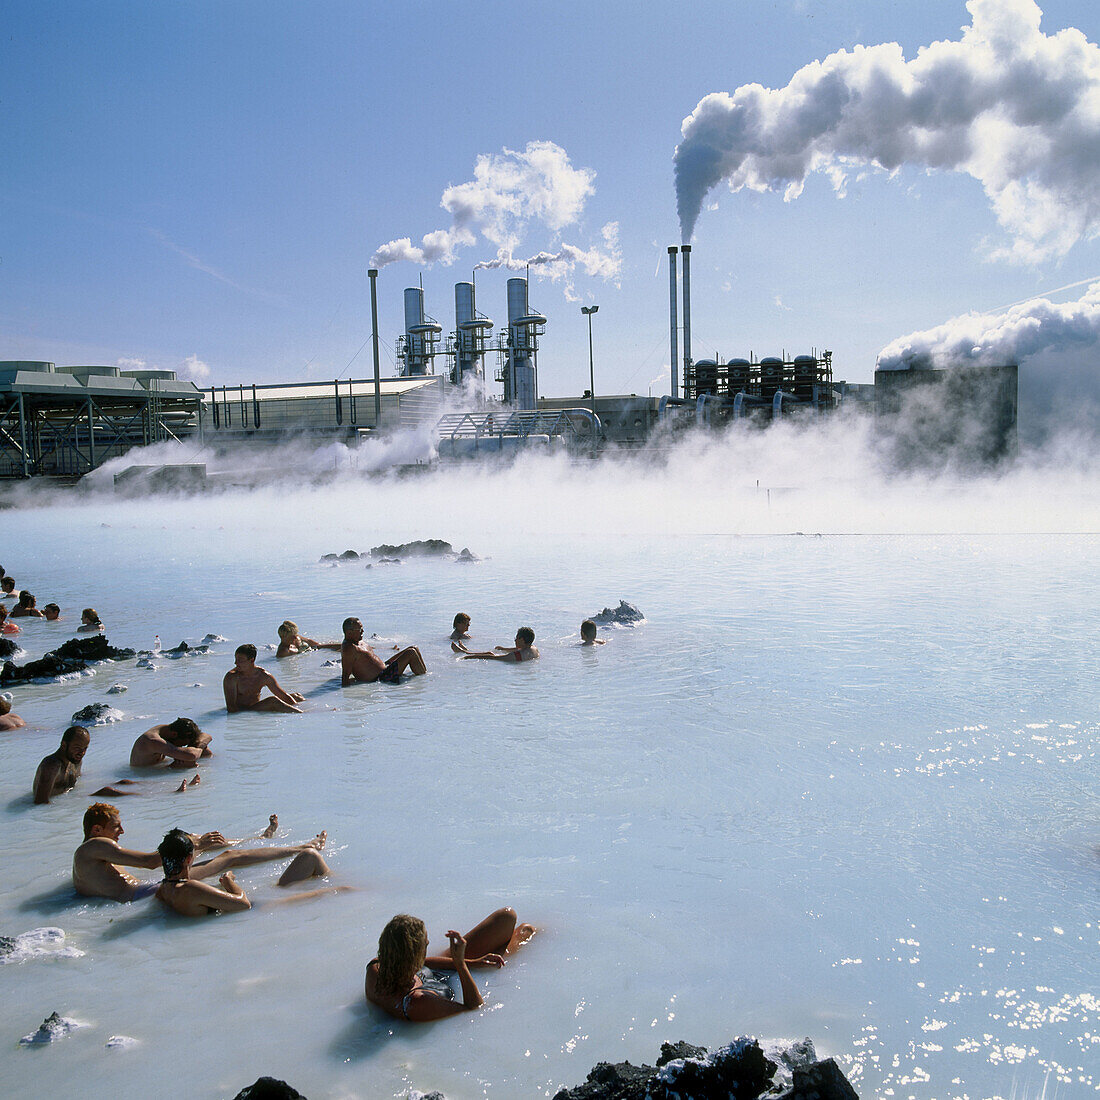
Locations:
(292, 643)
(411, 985)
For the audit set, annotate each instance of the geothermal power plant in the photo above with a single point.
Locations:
(65, 422)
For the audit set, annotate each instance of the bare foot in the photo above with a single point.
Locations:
(182, 787)
(520, 936)
(272, 826)
(196, 780)
(318, 841)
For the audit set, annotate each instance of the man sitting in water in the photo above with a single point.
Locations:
(360, 664)
(588, 633)
(51, 612)
(97, 861)
(291, 643)
(59, 771)
(461, 626)
(244, 682)
(182, 893)
(524, 649)
(9, 721)
(7, 588)
(181, 742)
(26, 607)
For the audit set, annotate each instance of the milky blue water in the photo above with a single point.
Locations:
(839, 785)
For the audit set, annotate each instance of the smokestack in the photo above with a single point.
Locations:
(372, 274)
(686, 250)
(672, 333)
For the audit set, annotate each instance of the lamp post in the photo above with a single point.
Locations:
(588, 311)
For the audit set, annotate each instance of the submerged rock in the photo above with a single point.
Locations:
(117, 689)
(741, 1070)
(8, 648)
(147, 663)
(210, 639)
(120, 1042)
(185, 650)
(466, 554)
(35, 944)
(52, 1028)
(74, 656)
(96, 714)
(626, 614)
(269, 1088)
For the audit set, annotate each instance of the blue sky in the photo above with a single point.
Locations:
(201, 186)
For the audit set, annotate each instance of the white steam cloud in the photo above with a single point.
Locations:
(510, 191)
(1057, 348)
(192, 369)
(1016, 109)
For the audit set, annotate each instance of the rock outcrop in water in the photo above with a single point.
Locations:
(626, 614)
(53, 1027)
(389, 553)
(74, 656)
(96, 714)
(742, 1069)
(8, 648)
(35, 944)
(269, 1088)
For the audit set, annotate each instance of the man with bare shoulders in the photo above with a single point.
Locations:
(523, 650)
(97, 861)
(181, 743)
(361, 665)
(244, 682)
(184, 894)
(9, 721)
(59, 771)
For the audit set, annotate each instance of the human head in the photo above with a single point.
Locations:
(26, 599)
(74, 743)
(183, 731)
(246, 651)
(525, 635)
(402, 948)
(288, 629)
(175, 852)
(588, 631)
(105, 818)
(462, 621)
(7, 584)
(52, 611)
(353, 628)
(5, 705)
(89, 616)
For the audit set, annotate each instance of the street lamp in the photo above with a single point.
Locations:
(588, 311)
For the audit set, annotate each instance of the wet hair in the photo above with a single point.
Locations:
(52, 607)
(461, 619)
(348, 621)
(90, 615)
(26, 599)
(99, 813)
(247, 650)
(402, 948)
(72, 731)
(7, 583)
(588, 629)
(186, 731)
(288, 628)
(526, 634)
(174, 851)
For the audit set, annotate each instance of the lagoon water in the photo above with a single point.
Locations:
(840, 783)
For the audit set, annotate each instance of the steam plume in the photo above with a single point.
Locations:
(509, 191)
(1016, 109)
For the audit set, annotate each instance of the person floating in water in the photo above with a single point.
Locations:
(588, 634)
(9, 721)
(292, 643)
(97, 862)
(89, 621)
(26, 607)
(360, 664)
(524, 649)
(182, 891)
(404, 981)
(244, 682)
(181, 742)
(461, 626)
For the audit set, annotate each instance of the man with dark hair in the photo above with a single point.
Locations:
(244, 682)
(523, 650)
(7, 588)
(360, 664)
(26, 607)
(181, 742)
(182, 892)
(59, 771)
(97, 861)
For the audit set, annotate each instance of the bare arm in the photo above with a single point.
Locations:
(230, 899)
(504, 655)
(44, 780)
(273, 686)
(183, 754)
(322, 645)
(229, 686)
(107, 851)
(248, 858)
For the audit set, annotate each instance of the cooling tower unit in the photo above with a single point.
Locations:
(524, 328)
(472, 332)
(421, 340)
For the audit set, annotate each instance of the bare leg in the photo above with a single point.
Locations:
(270, 705)
(408, 659)
(494, 935)
(305, 865)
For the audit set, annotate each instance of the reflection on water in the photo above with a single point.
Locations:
(838, 786)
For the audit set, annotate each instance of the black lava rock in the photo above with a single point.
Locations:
(73, 656)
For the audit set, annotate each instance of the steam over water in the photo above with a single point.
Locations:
(840, 783)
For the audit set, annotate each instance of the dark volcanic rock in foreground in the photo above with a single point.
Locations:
(269, 1088)
(739, 1071)
(74, 656)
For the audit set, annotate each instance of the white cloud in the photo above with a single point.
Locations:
(193, 369)
(1016, 109)
(130, 364)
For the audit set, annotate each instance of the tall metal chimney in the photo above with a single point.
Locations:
(686, 250)
(672, 331)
